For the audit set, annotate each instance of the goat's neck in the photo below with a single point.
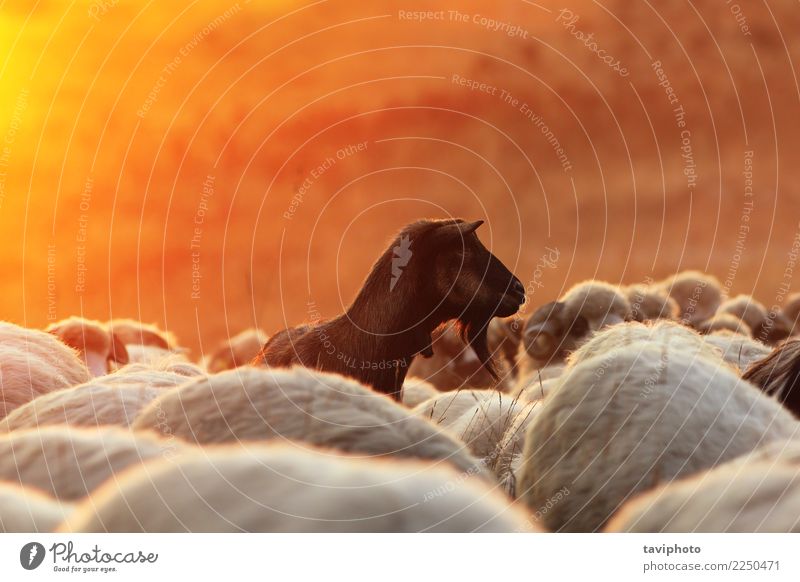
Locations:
(391, 323)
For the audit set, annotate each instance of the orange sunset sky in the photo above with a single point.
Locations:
(209, 166)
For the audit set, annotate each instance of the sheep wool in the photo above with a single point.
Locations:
(132, 332)
(282, 489)
(47, 349)
(28, 511)
(68, 463)
(725, 322)
(416, 391)
(698, 295)
(666, 334)
(759, 492)
(557, 328)
(738, 350)
(649, 303)
(33, 363)
(632, 419)
(92, 404)
(237, 351)
(598, 302)
(303, 405)
(478, 418)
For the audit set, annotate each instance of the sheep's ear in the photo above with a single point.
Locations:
(119, 353)
(552, 309)
(580, 327)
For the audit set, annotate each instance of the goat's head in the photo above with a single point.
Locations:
(469, 279)
(471, 284)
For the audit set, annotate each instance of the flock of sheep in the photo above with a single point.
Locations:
(660, 407)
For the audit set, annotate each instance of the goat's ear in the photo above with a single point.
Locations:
(468, 227)
(460, 229)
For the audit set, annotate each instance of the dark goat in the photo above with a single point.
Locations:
(434, 271)
(779, 374)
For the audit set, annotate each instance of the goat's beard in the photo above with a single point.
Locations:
(474, 334)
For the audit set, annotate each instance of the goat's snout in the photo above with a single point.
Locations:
(518, 289)
(512, 299)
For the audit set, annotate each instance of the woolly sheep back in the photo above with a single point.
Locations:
(697, 294)
(600, 303)
(47, 348)
(738, 350)
(650, 303)
(281, 489)
(25, 510)
(237, 351)
(68, 463)
(298, 404)
(759, 492)
(634, 418)
(416, 391)
(132, 332)
(666, 334)
(92, 404)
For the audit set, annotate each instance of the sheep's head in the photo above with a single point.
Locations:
(553, 331)
(98, 346)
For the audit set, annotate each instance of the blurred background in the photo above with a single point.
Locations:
(210, 166)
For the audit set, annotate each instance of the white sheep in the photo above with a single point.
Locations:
(240, 350)
(27, 510)
(282, 489)
(634, 418)
(665, 334)
(416, 391)
(170, 373)
(33, 363)
(47, 348)
(766, 326)
(115, 399)
(491, 423)
(650, 303)
(722, 323)
(157, 358)
(535, 384)
(698, 295)
(759, 492)
(479, 418)
(132, 332)
(738, 350)
(557, 328)
(93, 341)
(303, 405)
(68, 463)
(506, 460)
(538, 389)
(446, 407)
